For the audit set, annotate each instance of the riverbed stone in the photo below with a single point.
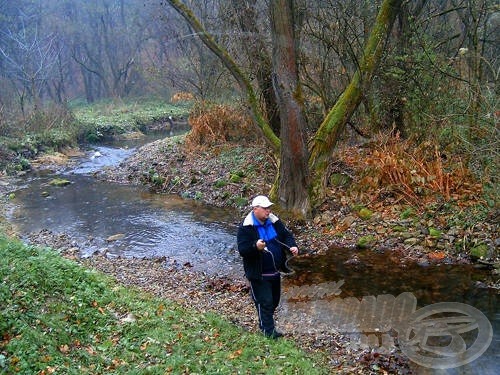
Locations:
(407, 235)
(411, 241)
(59, 182)
(115, 237)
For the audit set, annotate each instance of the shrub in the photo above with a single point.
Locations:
(215, 124)
(417, 173)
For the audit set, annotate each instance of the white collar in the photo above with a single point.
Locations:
(249, 218)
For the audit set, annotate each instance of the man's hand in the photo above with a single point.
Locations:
(294, 250)
(260, 244)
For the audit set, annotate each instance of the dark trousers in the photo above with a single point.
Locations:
(266, 295)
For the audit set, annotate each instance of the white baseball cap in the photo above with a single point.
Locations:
(261, 201)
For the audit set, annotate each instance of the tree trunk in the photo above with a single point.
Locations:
(234, 69)
(334, 123)
(296, 191)
(293, 171)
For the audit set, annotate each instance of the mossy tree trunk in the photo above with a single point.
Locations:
(300, 187)
(335, 121)
(242, 80)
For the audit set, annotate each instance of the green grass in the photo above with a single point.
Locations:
(55, 128)
(121, 116)
(59, 317)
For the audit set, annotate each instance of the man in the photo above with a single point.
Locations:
(262, 242)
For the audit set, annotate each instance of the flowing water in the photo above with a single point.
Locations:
(129, 221)
(126, 221)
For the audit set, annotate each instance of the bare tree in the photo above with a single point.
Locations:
(242, 80)
(479, 35)
(254, 44)
(332, 42)
(179, 60)
(108, 47)
(28, 59)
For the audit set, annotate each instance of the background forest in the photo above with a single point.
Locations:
(435, 86)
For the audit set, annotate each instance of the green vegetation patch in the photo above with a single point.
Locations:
(235, 178)
(365, 214)
(479, 252)
(58, 317)
(118, 117)
(340, 179)
(366, 242)
(59, 182)
(407, 213)
(436, 233)
(220, 183)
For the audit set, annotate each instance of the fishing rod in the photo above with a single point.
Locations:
(292, 271)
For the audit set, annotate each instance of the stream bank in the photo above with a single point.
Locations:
(226, 296)
(229, 175)
(166, 167)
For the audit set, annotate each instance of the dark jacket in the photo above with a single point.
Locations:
(252, 258)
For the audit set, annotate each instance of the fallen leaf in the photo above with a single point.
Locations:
(437, 255)
(235, 354)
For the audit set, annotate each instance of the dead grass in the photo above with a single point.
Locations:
(418, 174)
(182, 97)
(217, 124)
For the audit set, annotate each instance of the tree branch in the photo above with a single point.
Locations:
(235, 71)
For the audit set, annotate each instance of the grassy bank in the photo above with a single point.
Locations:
(106, 118)
(59, 317)
(55, 128)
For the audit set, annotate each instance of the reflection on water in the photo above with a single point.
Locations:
(150, 225)
(370, 274)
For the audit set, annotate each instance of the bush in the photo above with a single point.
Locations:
(416, 173)
(215, 124)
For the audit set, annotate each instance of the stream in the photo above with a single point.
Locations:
(126, 221)
(129, 221)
